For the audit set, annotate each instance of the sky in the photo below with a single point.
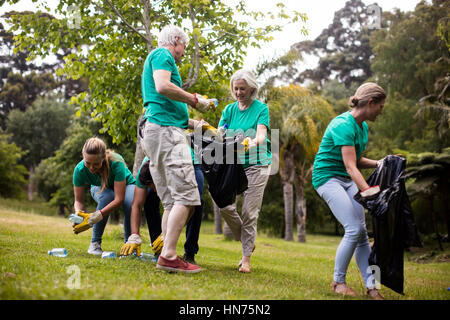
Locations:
(320, 14)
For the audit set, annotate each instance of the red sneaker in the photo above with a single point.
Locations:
(176, 265)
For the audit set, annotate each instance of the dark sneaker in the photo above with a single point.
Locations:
(189, 258)
(176, 265)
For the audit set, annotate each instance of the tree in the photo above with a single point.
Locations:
(39, 130)
(23, 81)
(409, 54)
(302, 117)
(113, 39)
(430, 173)
(343, 48)
(12, 173)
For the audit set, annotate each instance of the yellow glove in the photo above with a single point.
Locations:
(157, 245)
(248, 143)
(89, 219)
(133, 244)
(209, 127)
(83, 226)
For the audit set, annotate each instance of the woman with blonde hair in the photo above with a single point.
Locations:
(111, 184)
(336, 178)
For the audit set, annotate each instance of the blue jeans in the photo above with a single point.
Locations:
(338, 194)
(103, 199)
(193, 225)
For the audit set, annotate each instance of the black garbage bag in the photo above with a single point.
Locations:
(221, 167)
(393, 222)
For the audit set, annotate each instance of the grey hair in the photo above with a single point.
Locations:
(248, 77)
(168, 35)
(364, 93)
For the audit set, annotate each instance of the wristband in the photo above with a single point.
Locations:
(103, 215)
(196, 99)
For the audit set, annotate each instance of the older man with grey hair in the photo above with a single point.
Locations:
(164, 141)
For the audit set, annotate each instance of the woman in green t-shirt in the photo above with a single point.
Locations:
(337, 179)
(251, 117)
(111, 184)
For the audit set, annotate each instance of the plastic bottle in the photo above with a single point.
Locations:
(148, 257)
(108, 254)
(130, 256)
(75, 218)
(215, 101)
(58, 252)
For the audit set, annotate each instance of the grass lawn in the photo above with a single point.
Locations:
(280, 270)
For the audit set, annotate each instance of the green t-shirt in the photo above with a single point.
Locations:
(246, 122)
(342, 131)
(118, 172)
(158, 108)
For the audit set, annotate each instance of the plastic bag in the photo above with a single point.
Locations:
(393, 222)
(221, 167)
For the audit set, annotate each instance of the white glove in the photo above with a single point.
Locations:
(95, 217)
(134, 238)
(203, 104)
(371, 191)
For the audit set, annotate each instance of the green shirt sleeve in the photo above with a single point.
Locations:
(118, 168)
(138, 183)
(342, 135)
(162, 61)
(264, 117)
(78, 180)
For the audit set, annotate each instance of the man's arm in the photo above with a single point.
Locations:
(140, 195)
(170, 90)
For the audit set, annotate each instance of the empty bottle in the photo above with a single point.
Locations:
(215, 101)
(58, 252)
(76, 219)
(108, 254)
(130, 256)
(148, 257)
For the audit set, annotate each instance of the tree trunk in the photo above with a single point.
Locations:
(30, 183)
(300, 208)
(227, 231)
(445, 202)
(217, 219)
(287, 173)
(433, 218)
(288, 195)
(139, 154)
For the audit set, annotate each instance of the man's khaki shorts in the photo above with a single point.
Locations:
(171, 165)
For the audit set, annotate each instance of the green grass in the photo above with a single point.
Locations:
(280, 270)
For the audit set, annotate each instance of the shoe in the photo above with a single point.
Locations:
(177, 265)
(342, 288)
(95, 249)
(374, 294)
(189, 258)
